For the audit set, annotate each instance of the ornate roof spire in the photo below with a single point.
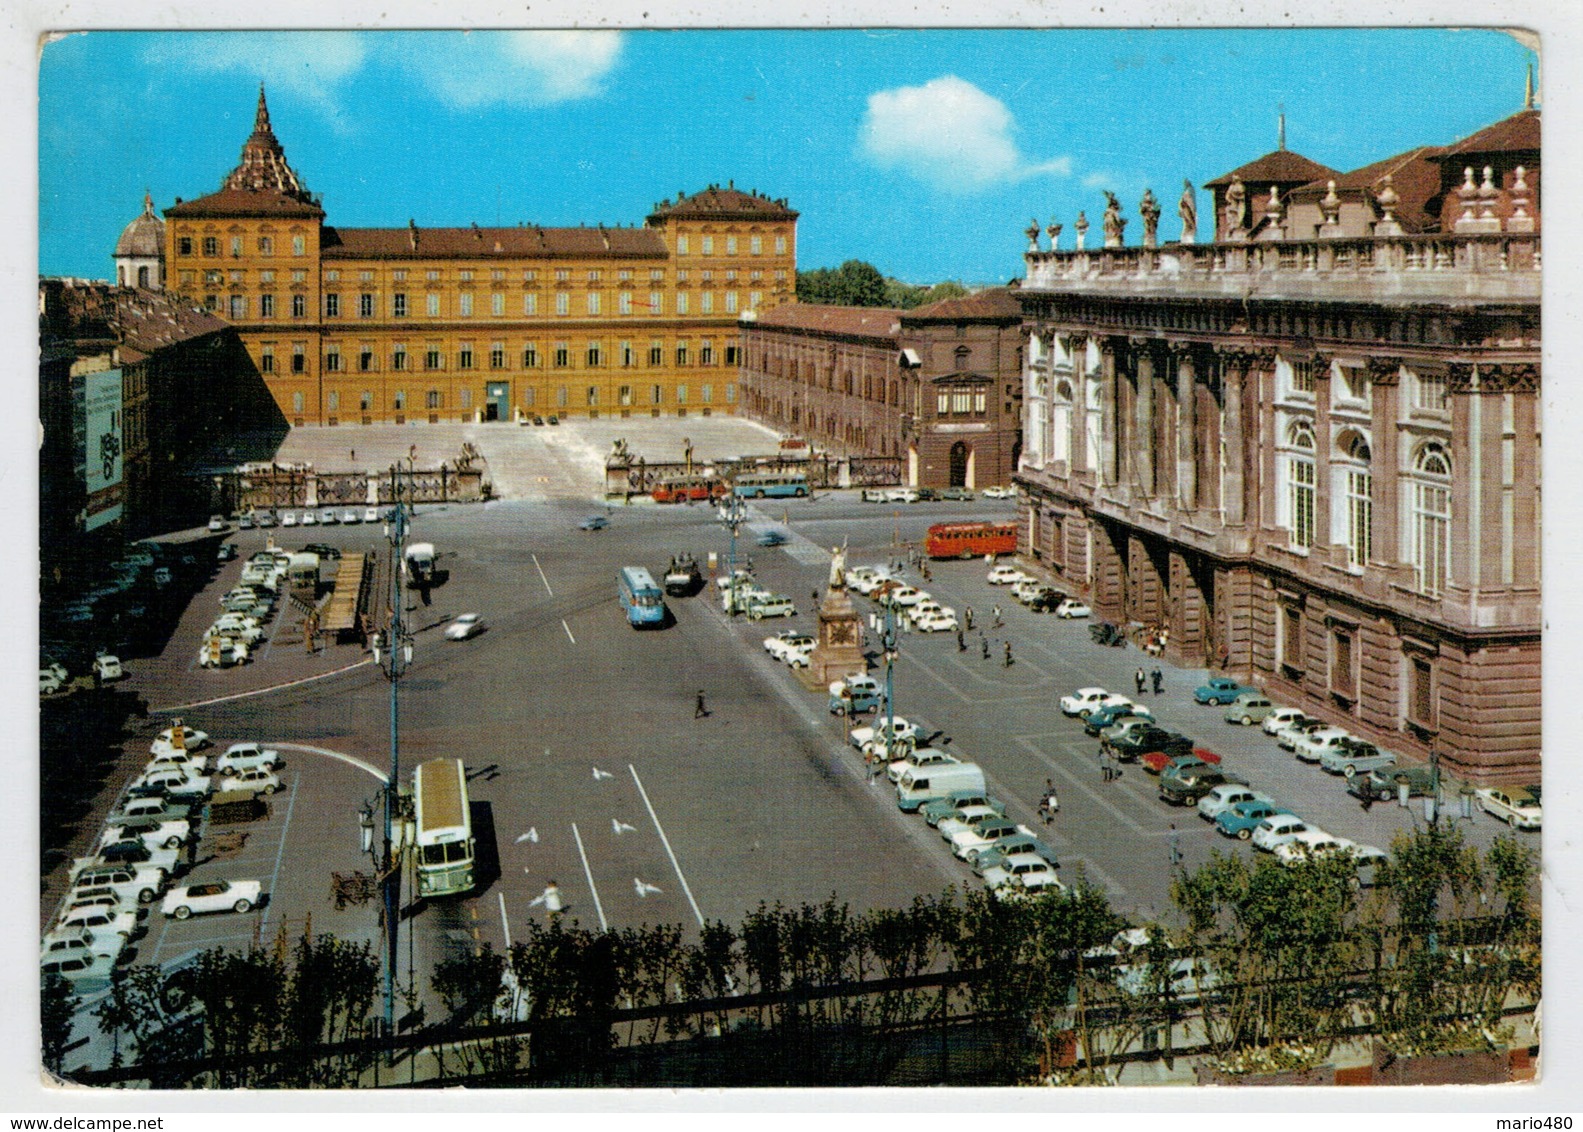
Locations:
(263, 167)
(1280, 128)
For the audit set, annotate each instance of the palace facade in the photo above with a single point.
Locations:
(939, 386)
(358, 325)
(1310, 447)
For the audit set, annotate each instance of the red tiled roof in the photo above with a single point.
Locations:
(1519, 133)
(518, 243)
(244, 202)
(715, 203)
(148, 320)
(995, 303)
(1279, 167)
(862, 322)
(1415, 177)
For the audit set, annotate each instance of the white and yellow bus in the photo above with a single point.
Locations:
(445, 828)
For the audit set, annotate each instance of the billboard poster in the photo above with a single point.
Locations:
(102, 440)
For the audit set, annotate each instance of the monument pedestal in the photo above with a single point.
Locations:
(838, 651)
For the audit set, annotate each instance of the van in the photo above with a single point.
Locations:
(918, 785)
(133, 884)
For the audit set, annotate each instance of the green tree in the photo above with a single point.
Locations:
(58, 1004)
(853, 284)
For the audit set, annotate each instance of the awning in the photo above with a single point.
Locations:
(910, 358)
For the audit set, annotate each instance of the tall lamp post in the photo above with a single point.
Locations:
(393, 653)
(734, 513)
(888, 643)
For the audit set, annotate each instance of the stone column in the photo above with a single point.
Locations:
(1165, 414)
(1465, 521)
(1126, 407)
(1492, 480)
(1384, 457)
(1322, 484)
(1525, 492)
(1207, 447)
(1234, 368)
(1143, 433)
(1186, 428)
(1077, 440)
(1108, 407)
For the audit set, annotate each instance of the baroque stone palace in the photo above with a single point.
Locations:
(1309, 447)
(357, 325)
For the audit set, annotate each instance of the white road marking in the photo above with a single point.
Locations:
(542, 578)
(666, 841)
(327, 753)
(568, 629)
(260, 691)
(285, 828)
(505, 924)
(589, 873)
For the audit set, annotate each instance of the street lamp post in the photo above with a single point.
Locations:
(889, 645)
(734, 513)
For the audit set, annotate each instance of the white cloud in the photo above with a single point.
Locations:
(949, 133)
(1098, 181)
(308, 64)
(533, 68)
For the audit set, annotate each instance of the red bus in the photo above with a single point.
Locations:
(679, 489)
(971, 540)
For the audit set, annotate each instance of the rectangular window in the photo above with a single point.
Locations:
(266, 359)
(365, 276)
(681, 394)
(335, 400)
(731, 245)
(432, 358)
(400, 401)
(184, 245)
(1291, 642)
(236, 245)
(431, 275)
(299, 245)
(238, 307)
(1303, 377)
(979, 401)
(624, 395)
(1432, 537)
(563, 303)
(332, 276)
(1360, 518)
(464, 355)
(563, 355)
(299, 275)
(432, 399)
(593, 395)
(658, 394)
(497, 355)
(187, 277)
(530, 276)
(1429, 391)
(365, 400)
(496, 275)
(296, 402)
(365, 359)
(398, 356)
(1421, 692)
(464, 304)
(731, 394)
(266, 245)
(629, 356)
(681, 353)
(708, 394)
(755, 245)
(656, 354)
(433, 298)
(398, 305)
(530, 303)
(530, 356)
(465, 276)
(681, 246)
(560, 396)
(365, 305)
(467, 398)
(732, 353)
(399, 276)
(497, 303)
(962, 401)
(562, 274)
(656, 275)
(708, 245)
(213, 277)
(707, 302)
(681, 303)
(1342, 681)
(593, 302)
(595, 354)
(299, 357)
(1300, 484)
(780, 245)
(299, 306)
(731, 302)
(755, 300)
(624, 302)
(332, 305)
(266, 306)
(211, 245)
(656, 303)
(332, 360)
(706, 353)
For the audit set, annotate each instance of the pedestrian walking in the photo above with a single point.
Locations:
(1159, 681)
(1008, 655)
(1104, 764)
(961, 642)
(1049, 804)
(1176, 846)
(1139, 679)
(700, 712)
(968, 614)
(984, 642)
(996, 613)
(1368, 799)
(354, 455)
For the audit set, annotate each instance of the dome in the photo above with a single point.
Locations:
(145, 236)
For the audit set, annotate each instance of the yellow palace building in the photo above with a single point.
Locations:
(361, 325)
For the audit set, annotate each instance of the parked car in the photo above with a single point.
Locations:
(997, 492)
(1288, 737)
(1072, 608)
(241, 757)
(770, 605)
(1016, 843)
(1277, 829)
(1085, 701)
(1242, 819)
(1311, 846)
(309, 519)
(80, 942)
(960, 805)
(1355, 757)
(169, 782)
(1104, 633)
(1046, 600)
(874, 495)
(222, 652)
(104, 915)
(351, 515)
(131, 884)
(1158, 762)
(138, 813)
(48, 682)
(1385, 783)
(171, 834)
(1101, 718)
(464, 627)
(217, 522)
(882, 729)
(1022, 876)
(920, 757)
(107, 666)
(218, 896)
(856, 693)
(958, 494)
(133, 851)
(1248, 709)
(902, 596)
(1279, 717)
(256, 779)
(787, 641)
(968, 842)
(1186, 786)
(1220, 690)
(370, 514)
(188, 762)
(1517, 806)
(901, 495)
(553, 419)
(238, 628)
(329, 517)
(266, 519)
(1312, 747)
(191, 739)
(288, 518)
(799, 655)
(1147, 740)
(1222, 798)
(1006, 575)
(966, 817)
(936, 623)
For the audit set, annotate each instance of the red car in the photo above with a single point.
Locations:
(1155, 762)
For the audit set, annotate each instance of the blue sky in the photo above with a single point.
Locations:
(923, 152)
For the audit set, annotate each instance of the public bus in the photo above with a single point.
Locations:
(758, 485)
(680, 489)
(641, 599)
(971, 540)
(445, 828)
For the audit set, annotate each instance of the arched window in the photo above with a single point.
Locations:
(1299, 494)
(1356, 483)
(1431, 518)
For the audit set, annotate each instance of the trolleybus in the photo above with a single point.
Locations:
(445, 828)
(971, 540)
(641, 599)
(758, 485)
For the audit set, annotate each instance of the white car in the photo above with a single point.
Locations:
(1031, 888)
(80, 941)
(1226, 795)
(288, 518)
(923, 756)
(464, 627)
(1072, 608)
(1024, 590)
(223, 653)
(1313, 844)
(743, 578)
(130, 884)
(244, 756)
(1514, 805)
(188, 762)
(927, 605)
(108, 667)
(169, 781)
(936, 623)
(256, 779)
(1311, 748)
(166, 835)
(48, 682)
(1005, 575)
(1015, 871)
(865, 579)
(966, 817)
(874, 495)
(351, 515)
(220, 896)
(881, 729)
(906, 595)
(997, 492)
(248, 634)
(785, 641)
(309, 519)
(799, 656)
(217, 522)
(1280, 718)
(1277, 830)
(1087, 700)
(103, 918)
(901, 495)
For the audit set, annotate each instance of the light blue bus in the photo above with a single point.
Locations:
(759, 485)
(643, 601)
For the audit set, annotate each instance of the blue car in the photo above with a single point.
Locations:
(593, 523)
(1220, 690)
(772, 538)
(1241, 820)
(1101, 718)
